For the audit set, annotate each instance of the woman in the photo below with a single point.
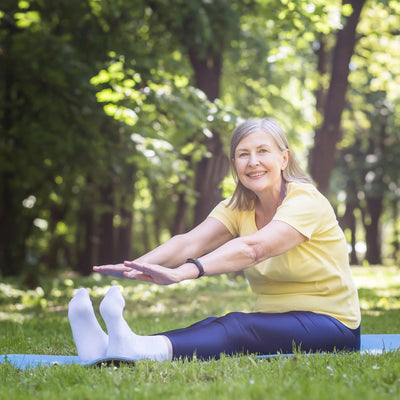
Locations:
(276, 227)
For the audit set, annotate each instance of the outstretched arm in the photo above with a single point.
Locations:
(237, 254)
(204, 238)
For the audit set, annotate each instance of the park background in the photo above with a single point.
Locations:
(116, 115)
(115, 120)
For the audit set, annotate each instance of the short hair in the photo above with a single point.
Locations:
(243, 198)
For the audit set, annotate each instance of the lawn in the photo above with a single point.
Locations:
(35, 321)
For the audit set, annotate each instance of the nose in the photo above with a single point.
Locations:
(253, 160)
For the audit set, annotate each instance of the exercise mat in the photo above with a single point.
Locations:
(371, 344)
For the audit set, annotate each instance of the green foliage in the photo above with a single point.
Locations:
(50, 117)
(102, 127)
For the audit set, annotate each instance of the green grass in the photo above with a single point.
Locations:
(35, 321)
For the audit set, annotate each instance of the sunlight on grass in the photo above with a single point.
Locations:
(379, 288)
(35, 321)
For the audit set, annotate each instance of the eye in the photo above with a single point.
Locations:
(263, 151)
(242, 155)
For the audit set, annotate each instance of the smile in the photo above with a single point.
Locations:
(256, 174)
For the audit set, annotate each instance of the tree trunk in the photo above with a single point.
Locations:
(124, 243)
(14, 228)
(85, 256)
(106, 226)
(322, 156)
(124, 233)
(373, 234)
(396, 232)
(353, 228)
(178, 224)
(210, 170)
(209, 175)
(348, 221)
(207, 73)
(56, 244)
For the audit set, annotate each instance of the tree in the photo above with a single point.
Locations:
(118, 115)
(204, 31)
(50, 121)
(322, 155)
(368, 165)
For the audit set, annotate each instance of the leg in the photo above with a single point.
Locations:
(196, 325)
(91, 341)
(264, 334)
(122, 341)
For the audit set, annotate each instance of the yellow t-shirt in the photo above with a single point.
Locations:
(315, 275)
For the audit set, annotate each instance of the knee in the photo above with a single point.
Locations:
(231, 320)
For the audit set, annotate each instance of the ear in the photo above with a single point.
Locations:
(285, 159)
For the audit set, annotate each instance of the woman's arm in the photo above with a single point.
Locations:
(235, 255)
(204, 238)
(244, 252)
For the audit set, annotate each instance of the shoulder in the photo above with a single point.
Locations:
(233, 218)
(306, 209)
(303, 194)
(224, 211)
(297, 188)
(226, 207)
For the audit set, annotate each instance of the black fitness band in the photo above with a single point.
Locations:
(198, 265)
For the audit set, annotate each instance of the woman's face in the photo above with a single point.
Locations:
(259, 162)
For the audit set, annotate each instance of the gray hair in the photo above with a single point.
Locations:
(243, 198)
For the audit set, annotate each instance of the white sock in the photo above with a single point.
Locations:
(90, 340)
(122, 341)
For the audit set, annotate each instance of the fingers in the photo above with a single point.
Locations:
(138, 276)
(116, 270)
(143, 272)
(130, 264)
(151, 273)
(147, 269)
(111, 267)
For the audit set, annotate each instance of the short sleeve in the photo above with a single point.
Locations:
(227, 216)
(306, 210)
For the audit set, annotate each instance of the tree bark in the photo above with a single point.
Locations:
(210, 170)
(348, 221)
(178, 224)
(396, 231)
(373, 234)
(209, 175)
(85, 241)
(124, 242)
(106, 226)
(322, 156)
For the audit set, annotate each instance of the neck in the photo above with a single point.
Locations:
(267, 204)
(270, 201)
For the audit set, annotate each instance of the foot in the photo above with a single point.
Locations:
(123, 342)
(90, 339)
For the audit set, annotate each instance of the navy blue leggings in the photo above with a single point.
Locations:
(259, 333)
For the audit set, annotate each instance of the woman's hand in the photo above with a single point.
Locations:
(116, 270)
(152, 273)
(143, 272)
(149, 272)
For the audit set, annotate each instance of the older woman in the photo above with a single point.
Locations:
(280, 231)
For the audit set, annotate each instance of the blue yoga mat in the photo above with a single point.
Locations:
(372, 344)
